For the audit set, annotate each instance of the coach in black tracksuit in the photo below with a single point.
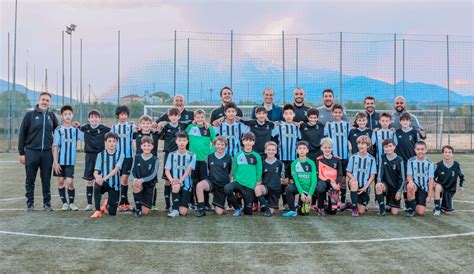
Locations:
(34, 144)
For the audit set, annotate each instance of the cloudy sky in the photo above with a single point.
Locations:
(146, 26)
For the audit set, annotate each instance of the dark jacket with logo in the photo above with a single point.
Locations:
(36, 130)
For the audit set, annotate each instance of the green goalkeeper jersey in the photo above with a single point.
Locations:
(247, 168)
(200, 141)
(304, 175)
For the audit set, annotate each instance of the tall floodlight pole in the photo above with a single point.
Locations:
(70, 30)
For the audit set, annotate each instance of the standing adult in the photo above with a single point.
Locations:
(217, 115)
(35, 142)
(400, 108)
(373, 117)
(179, 103)
(325, 111)
(274, 112)
(301, 110)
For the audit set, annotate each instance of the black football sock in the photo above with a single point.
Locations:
(206, 198)
(380, 201)
(89, 193)
(200, 205)
(343, 195)
(411, 205)
(62, 195)
(354, 199)
(124, 195)
(437, 204)
(175, 198)
(97, 196)
(137, 197)
(155, 192)
(71, 193)
(405, 198)
(321, 197)
(263, 202)
(167, 196)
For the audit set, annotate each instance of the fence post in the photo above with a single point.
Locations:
(118, 70)
(471, 126)
(394, 65)
(283, 63)
(10, 93)
(231, 56)
(174, 65)
(187, 70)
(296, 62)
(403, 67)
(449, 103)
(437, 128)
(340, 67)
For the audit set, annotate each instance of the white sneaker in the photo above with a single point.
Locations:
(73, 207)
(89, 207)
(173, 213)
(437, 213)
(65, 207)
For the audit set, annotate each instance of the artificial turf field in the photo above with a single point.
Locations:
(70, 241)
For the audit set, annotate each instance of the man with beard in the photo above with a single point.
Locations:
(373, 117)
(301, 110)
(178, 102)
(218, 115)
(35, 142)
(274, 112)
(325, 111)
(400, 106)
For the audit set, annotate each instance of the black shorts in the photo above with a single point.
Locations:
(113, 199)
(147, 194)
(447, 201)
(200, 172)
(248, 195)
(217, 193)
(390, 194)
(344, 163)
(184, 198)
(165, 157)
(420, 197)
(66, 172)
(89, 166)
(287, 169)
(126, 166)
(363, 198)
(273, 198)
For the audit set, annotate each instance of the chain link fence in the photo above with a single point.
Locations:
(434, 72)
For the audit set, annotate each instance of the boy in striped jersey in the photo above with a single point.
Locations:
(168, 131)
(144, 177)
(247, 166)
(64, 155)
(305, 174)
(446, 176)
(125, 132)
(144, 130)
(338, 131)
(268, 190)
(391, 179)
(219, 167)
(201, 135)
(178, 168)
(107, 177)
(420, 174)
(329, 178)
(232, 129)
(94, 133)
(381, 134)
(361, 172)
(288, 135)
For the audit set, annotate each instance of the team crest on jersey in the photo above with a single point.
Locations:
(452, 173)
(37, 117)
(394, 167)
(139, 164)
(149, 166)
(305, 113)
(442, 173)
(224, 165)
(268, 127)
(212, 163)
(186, 117)
(334, 165)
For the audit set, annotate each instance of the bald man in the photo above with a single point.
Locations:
(400, 108)
(178, 102)
(274, 112)
(301, 110)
